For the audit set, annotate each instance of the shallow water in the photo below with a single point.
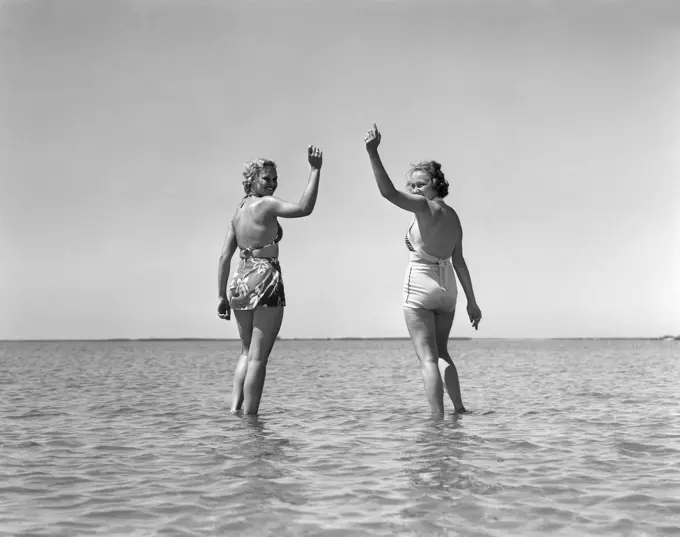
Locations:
(135, 438)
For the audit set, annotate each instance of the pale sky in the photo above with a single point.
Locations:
(125, 126)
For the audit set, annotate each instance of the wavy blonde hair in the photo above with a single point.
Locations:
(252, 169)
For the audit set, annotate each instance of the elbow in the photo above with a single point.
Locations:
(388, 193)
(307, 209)
(225, 258)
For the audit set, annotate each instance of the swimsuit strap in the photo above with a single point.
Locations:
(417, 249)
(442, 262)
(279, 236)
(248, 251)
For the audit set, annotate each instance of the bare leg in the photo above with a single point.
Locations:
(420, 324)
(239, 379)
(442, 323)
(266, 326)
(244, 320)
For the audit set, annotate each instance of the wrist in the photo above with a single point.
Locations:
(372, 152)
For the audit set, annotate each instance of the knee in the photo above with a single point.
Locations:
(427, 358)
(256, 356)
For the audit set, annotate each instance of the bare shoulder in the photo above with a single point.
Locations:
(451, 217)
(438, 208)
(234, 218)
(445, 210)
(453, 213)
(260, 207)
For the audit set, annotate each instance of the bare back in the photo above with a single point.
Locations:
(437, 231)
(254, 228)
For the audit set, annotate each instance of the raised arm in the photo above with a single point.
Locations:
(459, 264)
(287, 209)
(403, 200)
(223, 266)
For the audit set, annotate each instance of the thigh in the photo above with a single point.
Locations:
(421, 328)
(443, 320)
(266, 326)
(244, 321)
(420, 289)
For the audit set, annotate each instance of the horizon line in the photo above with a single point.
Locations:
(349, 338)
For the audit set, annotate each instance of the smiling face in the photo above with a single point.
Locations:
(420, 184)
(265, 183)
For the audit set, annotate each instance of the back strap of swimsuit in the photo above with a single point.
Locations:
(411, 244)
(249, 250)
(442, 262)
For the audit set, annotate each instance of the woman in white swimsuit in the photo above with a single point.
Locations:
(435, 243)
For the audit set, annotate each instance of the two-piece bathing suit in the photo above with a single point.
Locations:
(430, 282)
(258, 281)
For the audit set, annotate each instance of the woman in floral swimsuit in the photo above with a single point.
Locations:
(256, 292)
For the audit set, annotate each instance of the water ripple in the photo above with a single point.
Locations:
(135, 438)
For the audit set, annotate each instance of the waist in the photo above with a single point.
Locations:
(251, 259)
(416, 259)
(269, 250)
(248, 253)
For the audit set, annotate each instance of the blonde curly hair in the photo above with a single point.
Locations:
(252, 169)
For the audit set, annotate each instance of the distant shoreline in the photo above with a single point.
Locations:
(131, 340)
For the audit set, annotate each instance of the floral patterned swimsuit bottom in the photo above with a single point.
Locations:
(258, 282)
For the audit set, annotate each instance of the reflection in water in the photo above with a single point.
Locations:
(440, 462)
(442, 478)
(434, 462)
(261, 450)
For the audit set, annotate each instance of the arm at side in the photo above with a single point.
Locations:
(224, 263)
(462, 271)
